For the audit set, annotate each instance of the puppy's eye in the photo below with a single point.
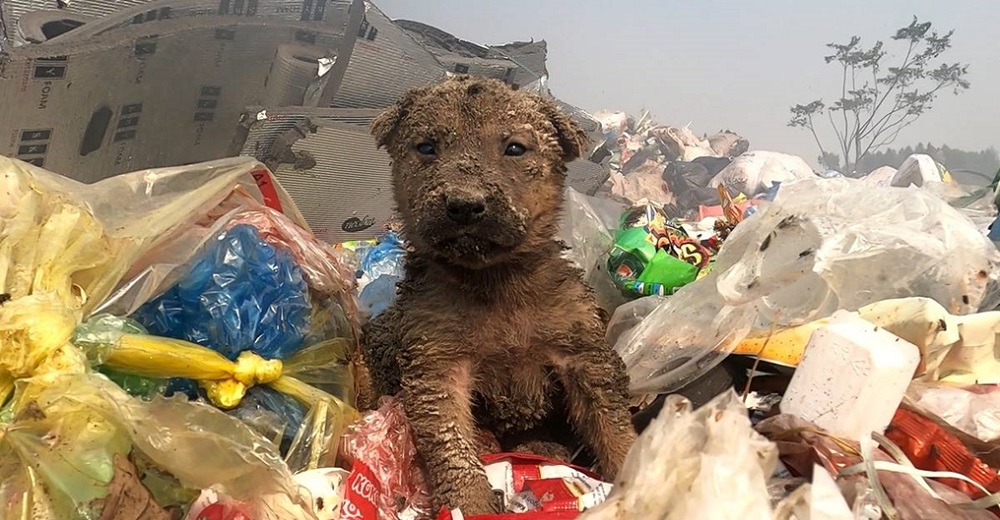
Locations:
(427, 149)
(515, 150)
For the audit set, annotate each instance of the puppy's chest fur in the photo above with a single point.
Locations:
(515, 334)
(514, 383)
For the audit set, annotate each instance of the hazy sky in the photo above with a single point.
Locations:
(733, 64)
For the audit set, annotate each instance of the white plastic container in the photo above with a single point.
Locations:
(852, 377)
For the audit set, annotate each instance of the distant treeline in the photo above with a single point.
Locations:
(985, 162)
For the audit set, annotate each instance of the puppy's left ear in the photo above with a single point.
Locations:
(383, 127)
(572, 139)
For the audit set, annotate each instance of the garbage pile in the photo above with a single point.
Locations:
(172, 347)
(674, 168)
(832, 306)
(177, 343)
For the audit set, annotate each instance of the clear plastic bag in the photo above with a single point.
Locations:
(65, 249)
(822, 245)
(249, 300)
(707, 463)
(126, 215)
(630, 314)
(587, 228)
(92, 235)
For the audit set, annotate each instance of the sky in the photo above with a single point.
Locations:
(731, 64)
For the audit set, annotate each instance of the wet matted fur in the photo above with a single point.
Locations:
(492, 327)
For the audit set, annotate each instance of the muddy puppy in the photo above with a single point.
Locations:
(490, 322)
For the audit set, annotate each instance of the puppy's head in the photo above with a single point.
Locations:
(478, 168)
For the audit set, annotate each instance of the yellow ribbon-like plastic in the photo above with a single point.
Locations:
(226, 382)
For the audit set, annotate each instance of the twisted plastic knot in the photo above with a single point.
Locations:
(250, 370)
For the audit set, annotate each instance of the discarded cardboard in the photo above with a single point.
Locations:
(94, 109)
(108, 97)
(102, 94)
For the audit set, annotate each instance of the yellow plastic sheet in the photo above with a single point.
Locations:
(57, 452)
(921, 321)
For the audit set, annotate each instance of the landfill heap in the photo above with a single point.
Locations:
(181, 342)
(178, 344)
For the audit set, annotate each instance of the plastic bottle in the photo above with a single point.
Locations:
(852, 377)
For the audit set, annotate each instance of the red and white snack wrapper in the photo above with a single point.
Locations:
(361, 495)
(533, 488)
(386, 481)
(385, 473)
(538, 488)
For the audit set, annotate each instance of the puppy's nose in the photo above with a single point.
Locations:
(465, 208)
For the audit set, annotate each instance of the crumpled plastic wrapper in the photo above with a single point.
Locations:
(707, 463)
(331, 284)
(319, 265)
(822, 245)
(974, 410)
(383, 445)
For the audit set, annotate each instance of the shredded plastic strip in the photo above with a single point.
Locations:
(868, 466)
(897, 453)
(987, 502)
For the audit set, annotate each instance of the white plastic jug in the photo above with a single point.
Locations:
(852, 377)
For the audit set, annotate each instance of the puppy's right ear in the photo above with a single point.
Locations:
(383, 127)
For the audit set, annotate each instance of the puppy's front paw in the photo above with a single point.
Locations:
(471, 493)
(618, 447)
(548, 449)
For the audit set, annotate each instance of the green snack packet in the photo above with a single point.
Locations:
(652, 255)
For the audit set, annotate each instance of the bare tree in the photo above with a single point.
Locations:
(879, 98)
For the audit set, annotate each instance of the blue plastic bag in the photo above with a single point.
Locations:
(378, 295)
(379, 270)
(240, 294)
(384, 258)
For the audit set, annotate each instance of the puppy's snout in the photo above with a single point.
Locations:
(465, 208)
